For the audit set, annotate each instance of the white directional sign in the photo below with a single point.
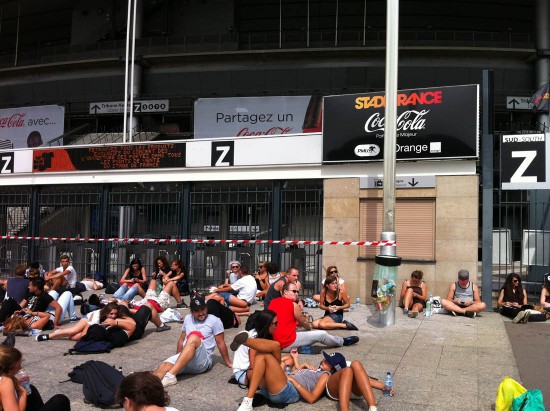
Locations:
(518, 103)
(400, 182)
(140, 106)
(523, 162)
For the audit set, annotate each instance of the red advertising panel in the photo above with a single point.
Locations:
(126, 157)
(432, 123)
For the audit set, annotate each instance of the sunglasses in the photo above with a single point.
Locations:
(515, 280)
(234, 266)
(294, 291)
(333, 272)
(274, 323)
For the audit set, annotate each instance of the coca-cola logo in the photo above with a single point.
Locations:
(411, 120)
(15, 120)
(269, 132)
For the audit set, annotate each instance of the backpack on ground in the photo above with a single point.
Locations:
(90, 347)
(100, 382)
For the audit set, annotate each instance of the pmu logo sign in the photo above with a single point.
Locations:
(523, 162)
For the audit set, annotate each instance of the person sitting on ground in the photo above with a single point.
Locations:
(307, 382)
(17, 289)
(289, 313)
(261, 324)
(63, 277)
(37, 303)
(234, 273)
(36, 266)
(201, 332)
(176, 275)
(262, 280)
(275, 289)
(132, 279)
(160, 268)
(463, 297)
(545, 293)
(13, 396)
(512, 298)
(245, 289)
(142, 391)
(66, 301)
(414, 293)
(334, 302)
(332, 270)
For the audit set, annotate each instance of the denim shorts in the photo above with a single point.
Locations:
(201, 362)
(337, 318)
(240, 376)
(226, 297)
(287, 395)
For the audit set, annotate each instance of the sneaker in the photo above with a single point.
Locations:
(519, 318)
(413, 314)
(453, 313)
(182, 305)
(526, 317)
(470, 314)
(239, 340)
(169, 380)
(405, 311)
(163, 327)
(42, 337)
(74, 319)
(350, 326)
(350, 340)
(246, 405)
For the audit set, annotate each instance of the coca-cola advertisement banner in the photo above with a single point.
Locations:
(31, 126)
(257, 116)
(432, 123)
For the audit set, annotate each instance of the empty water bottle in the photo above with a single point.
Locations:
(23, 378)
(388, 385)
(288, 370)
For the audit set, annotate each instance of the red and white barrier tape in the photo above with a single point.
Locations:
(382, 243)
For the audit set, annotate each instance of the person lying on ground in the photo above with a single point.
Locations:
(307, 382)
(201, 332)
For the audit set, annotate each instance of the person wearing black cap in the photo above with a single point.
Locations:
(463, 297)
(201, 332)
(308, 382)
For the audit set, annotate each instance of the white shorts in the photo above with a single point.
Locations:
(162, 299)
(201, 362)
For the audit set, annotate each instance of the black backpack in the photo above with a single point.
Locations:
(100, 382)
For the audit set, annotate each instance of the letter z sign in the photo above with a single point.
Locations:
(523, 162)
(6, 163)
(223, 153)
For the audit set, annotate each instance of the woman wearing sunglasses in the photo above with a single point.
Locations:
(512, 299)
(332, 270)
(333, 376)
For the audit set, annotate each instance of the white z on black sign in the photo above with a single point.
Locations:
(223, 154)
(523, 162)
(6, 163)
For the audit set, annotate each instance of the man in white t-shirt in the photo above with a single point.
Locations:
(238, 296)
(201, 332)
(63, 276)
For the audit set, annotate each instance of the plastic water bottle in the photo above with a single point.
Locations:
(358, 302)
(288, 370)
(429, 305)
(389, 383)
(23, 377)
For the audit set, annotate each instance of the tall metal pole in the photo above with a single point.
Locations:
(126, 62)
(385, 272)
(132, 76)
(390, 128)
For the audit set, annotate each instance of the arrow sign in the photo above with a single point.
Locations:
(95, 107)
(413, 183)
(518, 103)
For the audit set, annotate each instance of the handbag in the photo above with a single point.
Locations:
(506, 392)
(529, 401)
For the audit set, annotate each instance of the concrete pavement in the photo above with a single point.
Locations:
(439, 363)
